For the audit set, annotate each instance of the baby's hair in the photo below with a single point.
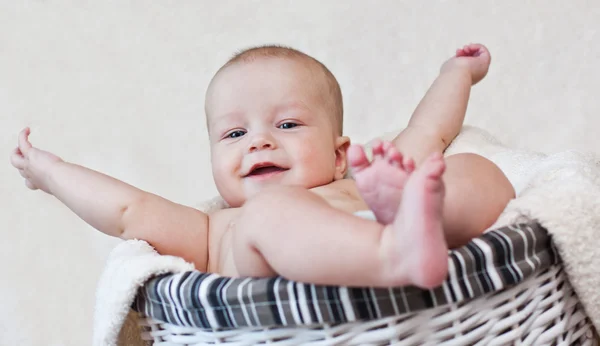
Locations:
(334, 97)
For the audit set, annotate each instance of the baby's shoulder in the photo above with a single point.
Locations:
(346, 186)
(222, 217)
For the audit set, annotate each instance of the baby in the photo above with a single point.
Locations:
(279, 160)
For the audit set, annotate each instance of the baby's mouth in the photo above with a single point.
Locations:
(265, 170)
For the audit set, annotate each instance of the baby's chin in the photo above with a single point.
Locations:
(253, 189)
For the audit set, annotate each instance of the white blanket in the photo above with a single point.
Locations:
(561, 191)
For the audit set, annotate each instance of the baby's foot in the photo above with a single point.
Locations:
(418, 225)
(381, 181)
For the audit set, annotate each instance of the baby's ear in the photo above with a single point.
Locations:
(341, 164)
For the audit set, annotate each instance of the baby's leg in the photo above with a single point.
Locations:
(477, 192)
(295, 233)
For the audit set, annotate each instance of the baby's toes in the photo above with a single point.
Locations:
(434, 166)
(394, 157)
(408, 164)
(357, 159)
(377, 148)
(387, 145)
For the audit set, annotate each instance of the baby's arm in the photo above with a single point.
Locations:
(114, 207)
(438, 118)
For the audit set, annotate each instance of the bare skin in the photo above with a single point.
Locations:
(290, 216)
(381, 182)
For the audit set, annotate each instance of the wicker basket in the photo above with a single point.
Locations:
(536, 307)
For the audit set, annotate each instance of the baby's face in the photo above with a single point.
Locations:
(268, 125)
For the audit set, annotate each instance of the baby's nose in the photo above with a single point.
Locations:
(261, 143)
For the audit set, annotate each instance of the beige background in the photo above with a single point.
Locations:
(118, 86)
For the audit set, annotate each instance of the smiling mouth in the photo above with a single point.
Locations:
(264, 171)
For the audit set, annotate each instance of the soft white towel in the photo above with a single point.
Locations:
(129, 265)
(561, 191)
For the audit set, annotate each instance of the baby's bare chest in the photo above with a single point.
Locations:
(341, 195)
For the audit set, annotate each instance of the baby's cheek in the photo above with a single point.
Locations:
(220, 172)
(320, 167)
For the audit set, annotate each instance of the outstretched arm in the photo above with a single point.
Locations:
(114, 207)
(438, 118)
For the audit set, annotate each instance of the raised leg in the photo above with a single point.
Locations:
(295, 233)
(477, 191)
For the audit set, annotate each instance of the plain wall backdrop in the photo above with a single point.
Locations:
(119, 86)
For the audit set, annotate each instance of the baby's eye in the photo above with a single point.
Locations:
(286, 126)
(235, 134)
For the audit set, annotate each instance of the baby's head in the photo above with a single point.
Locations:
(274, 117)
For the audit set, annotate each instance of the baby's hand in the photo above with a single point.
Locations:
(33, 164)
(475, 57)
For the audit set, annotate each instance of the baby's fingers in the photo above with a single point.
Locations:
(30, 185)
(24, 144)
(460, 52)
(17, 159)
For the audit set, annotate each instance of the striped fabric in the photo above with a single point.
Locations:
(496, 260)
